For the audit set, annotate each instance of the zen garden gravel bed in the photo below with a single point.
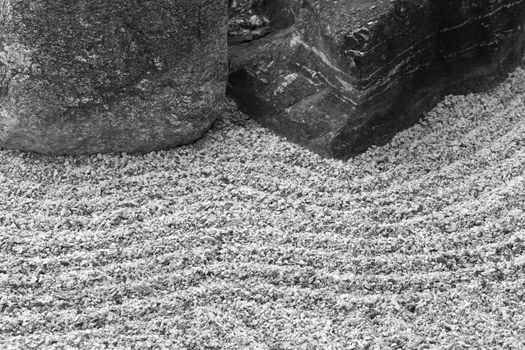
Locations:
(245, 241)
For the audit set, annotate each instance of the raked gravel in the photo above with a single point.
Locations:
(245, 241)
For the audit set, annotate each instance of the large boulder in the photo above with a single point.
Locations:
(89, 76)
(338, 76)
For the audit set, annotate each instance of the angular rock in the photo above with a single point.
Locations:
(90, 76)
(339, 76)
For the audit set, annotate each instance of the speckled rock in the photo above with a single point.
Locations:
(339, 76)
(90, 76)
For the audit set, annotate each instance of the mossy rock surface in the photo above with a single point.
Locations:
(90, 76)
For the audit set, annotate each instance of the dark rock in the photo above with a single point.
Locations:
(253, 19)
(89, 76)
(339, 76)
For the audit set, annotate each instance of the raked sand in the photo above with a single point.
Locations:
(245, 241)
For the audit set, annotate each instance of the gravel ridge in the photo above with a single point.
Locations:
(245, 241)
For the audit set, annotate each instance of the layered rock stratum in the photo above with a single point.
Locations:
(339, 76)
(96, 76)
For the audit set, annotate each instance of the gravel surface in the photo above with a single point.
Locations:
(245, 241)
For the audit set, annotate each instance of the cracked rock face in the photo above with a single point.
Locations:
(339, 76)
(90, 76)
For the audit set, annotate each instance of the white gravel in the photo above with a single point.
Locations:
(245, 241)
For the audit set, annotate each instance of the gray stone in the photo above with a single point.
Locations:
(90, 76)
(339, 76)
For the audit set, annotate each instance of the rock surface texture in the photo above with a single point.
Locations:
(339, 76)
(89, 76)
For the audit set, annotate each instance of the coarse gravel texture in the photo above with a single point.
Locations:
(246, 241)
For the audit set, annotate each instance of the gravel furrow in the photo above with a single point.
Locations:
(245, 241)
